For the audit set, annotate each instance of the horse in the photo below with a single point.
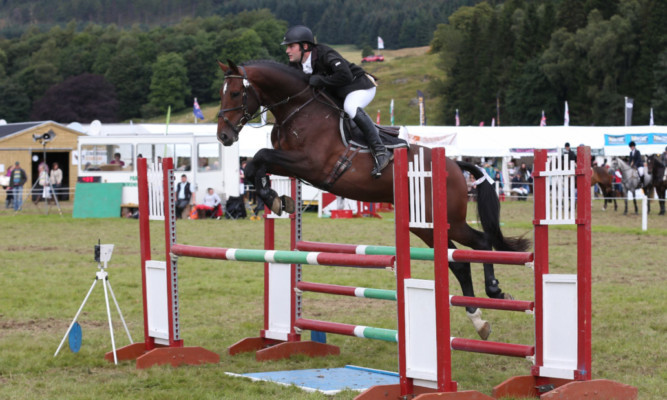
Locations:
(604, 180)
(630, 180)
(658, 180)
(307, 145)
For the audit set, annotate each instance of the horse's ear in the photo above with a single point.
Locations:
(223, 67)
(232, 66)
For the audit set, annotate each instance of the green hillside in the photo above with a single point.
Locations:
(400, 76)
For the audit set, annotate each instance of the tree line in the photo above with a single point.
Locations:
(106, 73)
(512, 60)
(401, 24)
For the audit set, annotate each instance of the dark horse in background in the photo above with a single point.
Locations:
(307, 145)
(656, 169)
(605, 182)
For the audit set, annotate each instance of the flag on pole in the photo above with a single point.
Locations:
(197, 111)
(650, 121)
(628, 111)
(166, 128)
(377, 121)
(380, 43)
(543, 121)
(391, 110)
(566, 119)
(481, 123)
(493, 122)
(422, 112)
(457, 119)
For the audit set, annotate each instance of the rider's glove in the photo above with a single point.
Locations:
(316, 81)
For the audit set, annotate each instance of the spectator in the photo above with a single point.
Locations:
(526, 176)
(17, 180)
(56, 179)
(116, 160)
(41, 190)
(183, 196)
(568, 155)
(9, 197)
(211, 206)
(519, 186)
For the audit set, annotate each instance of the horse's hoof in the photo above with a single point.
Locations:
(288, 204)
(277, 206)
(482, 327)
(485, 331)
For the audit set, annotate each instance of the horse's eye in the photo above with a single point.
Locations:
(235, 94)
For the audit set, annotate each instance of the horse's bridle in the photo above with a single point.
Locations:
(247, 116)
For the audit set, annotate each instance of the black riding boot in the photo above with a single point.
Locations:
(381, 156)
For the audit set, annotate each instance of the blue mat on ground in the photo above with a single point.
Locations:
(327, 380)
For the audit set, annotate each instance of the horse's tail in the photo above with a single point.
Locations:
(488, 209)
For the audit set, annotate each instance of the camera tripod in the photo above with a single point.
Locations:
(103, 253)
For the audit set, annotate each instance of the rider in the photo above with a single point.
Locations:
(348, 81)
(636, 162)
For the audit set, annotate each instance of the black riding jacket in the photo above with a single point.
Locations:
(339, 75)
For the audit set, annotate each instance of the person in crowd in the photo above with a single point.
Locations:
(9, 197)
(519, 186)
(183, 196)
(211, 204)
(569, 155)
(526, 176)
(42, 188)
(116, 160)
(663, 160)
(17, 180)
(617, 183)
(328, 69)
(636, 162)
(56, 179)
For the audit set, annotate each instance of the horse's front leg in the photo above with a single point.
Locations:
(257, 173)
(275, 162)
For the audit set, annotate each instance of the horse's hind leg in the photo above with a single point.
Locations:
(478, 241)
(461, 271)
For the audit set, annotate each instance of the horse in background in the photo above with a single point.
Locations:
(605, 182)
(658, 181)
(630, 181)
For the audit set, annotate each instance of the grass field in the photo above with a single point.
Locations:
(402, 73)
(47, 267)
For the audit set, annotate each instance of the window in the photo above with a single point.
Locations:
(181, 153)
(208, 156)
(107, 157)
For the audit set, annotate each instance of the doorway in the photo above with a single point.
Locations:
(60, 157)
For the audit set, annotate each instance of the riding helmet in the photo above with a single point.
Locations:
(298, 34)
(632, 144)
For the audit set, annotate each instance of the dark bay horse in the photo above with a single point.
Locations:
(605, 182)
(307, 145)
(656, 169)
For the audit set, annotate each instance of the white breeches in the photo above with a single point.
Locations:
(358, 98)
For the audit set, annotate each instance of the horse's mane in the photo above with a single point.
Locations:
(294, 72)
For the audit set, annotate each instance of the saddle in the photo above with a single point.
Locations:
(351, 135)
